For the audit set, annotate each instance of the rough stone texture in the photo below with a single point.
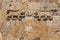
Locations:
(39, 16)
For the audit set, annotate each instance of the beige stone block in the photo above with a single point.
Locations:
(9, 0)
(53, 1)
(0, 5)
(54, 33)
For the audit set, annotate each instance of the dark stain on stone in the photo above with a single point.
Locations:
(37, 38)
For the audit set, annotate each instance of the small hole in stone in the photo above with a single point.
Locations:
(44, 19)
(48, 16)
(10, 5)
(21, 16)
(20, 19)
(51, 19)
(36, 16)
(39, 19)
(22, 13)
(15, 16)
(42, 16)
(54, 10)
(9, 16)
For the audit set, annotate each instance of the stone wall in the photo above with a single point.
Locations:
(29, 20)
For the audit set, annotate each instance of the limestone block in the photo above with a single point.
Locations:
(9, 0)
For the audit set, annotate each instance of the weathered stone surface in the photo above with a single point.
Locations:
(29, 20)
